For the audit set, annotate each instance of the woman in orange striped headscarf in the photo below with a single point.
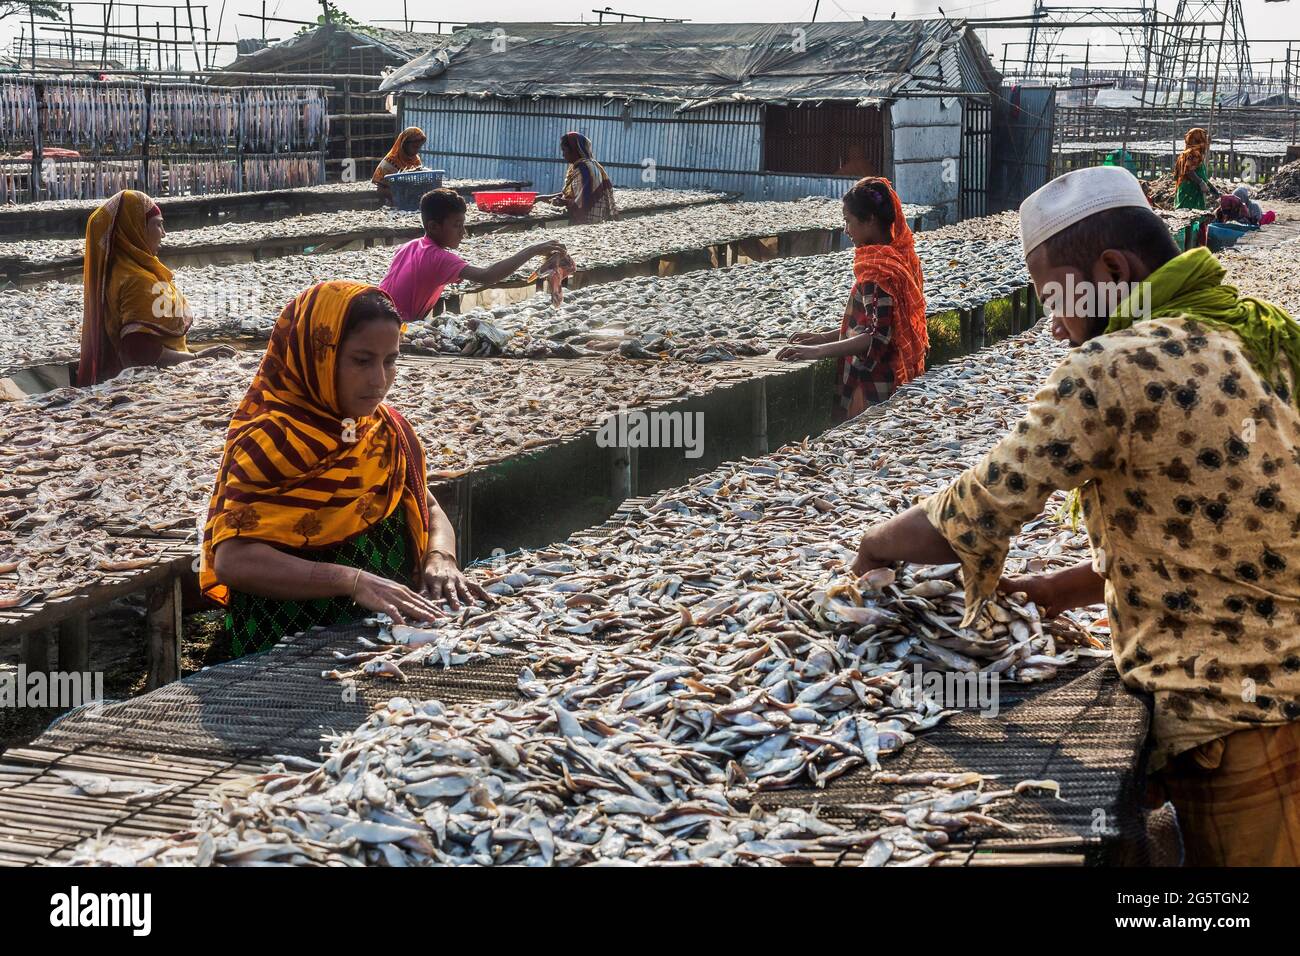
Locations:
(404, 156)
(320, 510)
(883, 339)
(132, 312)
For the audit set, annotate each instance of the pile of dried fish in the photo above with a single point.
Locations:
(705, 651)
(137, 455)
(1284, 183)
(377, 222)
(539, 784)
(966, 264)
(716, 314)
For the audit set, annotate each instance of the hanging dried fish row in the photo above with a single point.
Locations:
(17, 112)
(105, 124)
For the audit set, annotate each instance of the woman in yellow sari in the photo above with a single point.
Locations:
(403, 157)
(132, 312)
(321, 512)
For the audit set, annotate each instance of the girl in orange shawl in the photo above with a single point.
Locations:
(321, 512)
(402, 158)
(132, 312)
(882, 339)
(1191, 174)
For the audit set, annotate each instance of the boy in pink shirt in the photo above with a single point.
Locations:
(424, 267)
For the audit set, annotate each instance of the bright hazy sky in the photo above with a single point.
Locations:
(1264, 21)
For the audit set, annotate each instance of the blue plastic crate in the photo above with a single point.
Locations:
(409, 187)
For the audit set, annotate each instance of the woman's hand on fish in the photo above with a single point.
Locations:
(217, 352)
(379, 594)
(444, 581)
(796, 353)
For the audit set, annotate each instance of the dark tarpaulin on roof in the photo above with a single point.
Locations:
(397, 45)
(689, 63)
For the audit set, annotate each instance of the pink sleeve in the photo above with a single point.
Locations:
(449, 267)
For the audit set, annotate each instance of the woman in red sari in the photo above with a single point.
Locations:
(882, 339)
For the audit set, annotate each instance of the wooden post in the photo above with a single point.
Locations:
(622, 472)
(963, 324)
(464, 518)
(74, 644)
(977, 327)
(34, 650)
(164, 633)
(347, 123)
(758, 416)
(1015, 311)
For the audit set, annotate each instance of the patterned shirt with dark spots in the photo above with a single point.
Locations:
(1189, 467)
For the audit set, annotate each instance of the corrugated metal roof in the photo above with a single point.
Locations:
(697, 64)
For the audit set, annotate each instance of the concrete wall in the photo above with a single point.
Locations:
(927, 151)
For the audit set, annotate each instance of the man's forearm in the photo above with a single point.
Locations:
(905, 537)
(1079, 585)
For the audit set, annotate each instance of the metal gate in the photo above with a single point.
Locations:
(976, 151)
(1025, 120)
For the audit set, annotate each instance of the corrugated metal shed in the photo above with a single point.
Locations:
(683, 130)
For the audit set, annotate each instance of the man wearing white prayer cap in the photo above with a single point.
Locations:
(1173, 424)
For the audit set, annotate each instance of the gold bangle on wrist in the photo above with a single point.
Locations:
(355, 581)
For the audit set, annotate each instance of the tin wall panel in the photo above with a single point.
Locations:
(639, 144)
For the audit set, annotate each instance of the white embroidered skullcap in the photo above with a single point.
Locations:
(1074, 196)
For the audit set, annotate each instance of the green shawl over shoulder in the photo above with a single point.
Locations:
(1192, 285)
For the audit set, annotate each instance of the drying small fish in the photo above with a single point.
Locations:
(271, 237)
(553, 272)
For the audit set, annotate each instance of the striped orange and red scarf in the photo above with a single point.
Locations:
(294, 471)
